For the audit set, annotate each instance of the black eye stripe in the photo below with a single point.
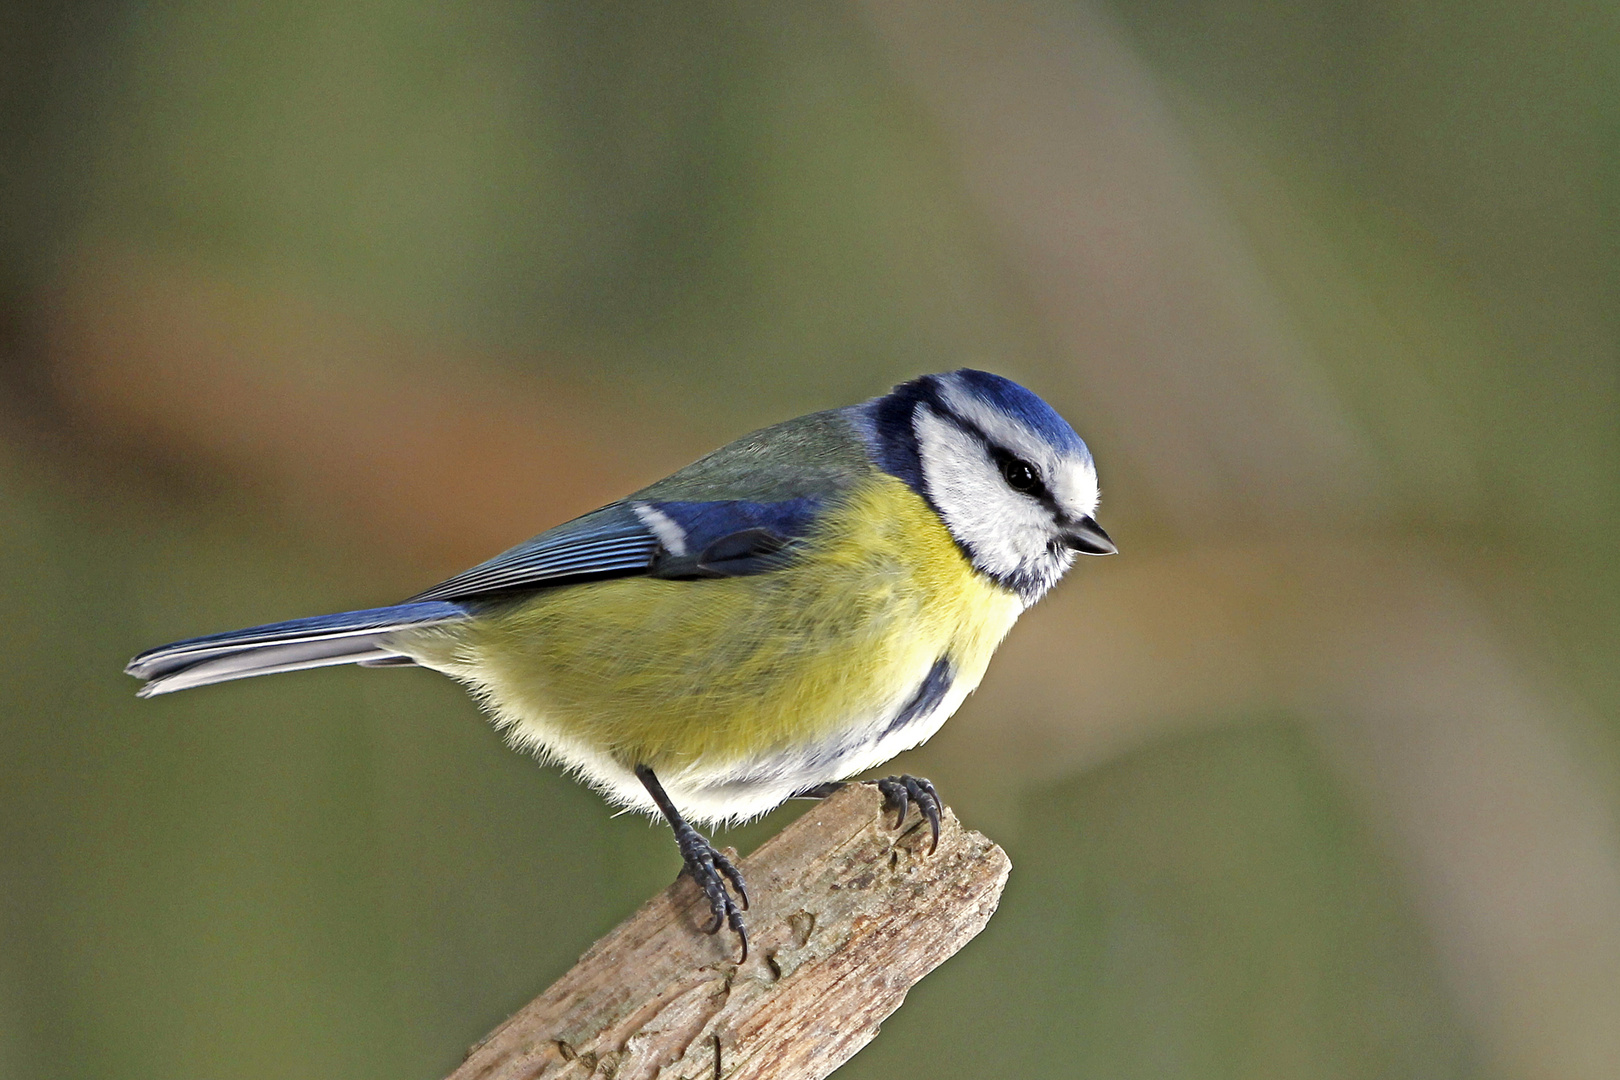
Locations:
(1022, 476)
(1002, 457)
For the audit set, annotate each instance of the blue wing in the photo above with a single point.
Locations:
(725, 538)
(730, 538)
(609, 542)
(679, 540)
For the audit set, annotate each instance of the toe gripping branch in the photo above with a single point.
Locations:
(905, 790)
(899, 794)
(709, 868)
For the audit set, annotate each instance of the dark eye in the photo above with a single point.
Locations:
(1019, 474)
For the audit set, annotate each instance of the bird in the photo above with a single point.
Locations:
(790, 611)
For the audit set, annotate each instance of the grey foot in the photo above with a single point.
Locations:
(900, 792)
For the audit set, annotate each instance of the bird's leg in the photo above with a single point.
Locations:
(902, 791)
(899, 793)
(708, 867)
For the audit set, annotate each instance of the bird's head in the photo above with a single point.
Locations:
(1009, 477)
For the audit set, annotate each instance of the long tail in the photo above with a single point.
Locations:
(353, 637)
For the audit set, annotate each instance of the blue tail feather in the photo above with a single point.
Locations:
(345, 638)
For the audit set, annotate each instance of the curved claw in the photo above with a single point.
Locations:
(742, 934)
(733, 875)
(712, 871)
(895, 794)
(709, 868)
(929, 805)
(903, 790)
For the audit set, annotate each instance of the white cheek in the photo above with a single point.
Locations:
(1073, 480)
(1004, 530)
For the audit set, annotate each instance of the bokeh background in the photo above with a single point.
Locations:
(305, 306)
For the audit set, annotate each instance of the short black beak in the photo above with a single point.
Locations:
(1087, 537)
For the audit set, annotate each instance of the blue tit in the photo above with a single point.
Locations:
(791, 610)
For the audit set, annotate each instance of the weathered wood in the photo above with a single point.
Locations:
(847, 916)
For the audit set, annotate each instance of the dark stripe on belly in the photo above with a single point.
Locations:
(935, 685)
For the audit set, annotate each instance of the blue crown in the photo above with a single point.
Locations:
(1021, 405)
(893, 438)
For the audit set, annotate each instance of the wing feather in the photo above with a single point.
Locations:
(717, 538)
(609, 542)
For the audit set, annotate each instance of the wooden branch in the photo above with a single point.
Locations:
(847, 915)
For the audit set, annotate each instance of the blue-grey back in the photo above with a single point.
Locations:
(821, 455)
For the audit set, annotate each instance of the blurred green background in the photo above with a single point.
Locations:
(305, 306)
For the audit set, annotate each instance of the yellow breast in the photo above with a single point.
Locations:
(674, 674)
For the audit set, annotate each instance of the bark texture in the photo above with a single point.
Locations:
(847, 915)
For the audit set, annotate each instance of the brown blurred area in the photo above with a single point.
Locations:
(303, 308)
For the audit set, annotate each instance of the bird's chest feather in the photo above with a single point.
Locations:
(670, 673)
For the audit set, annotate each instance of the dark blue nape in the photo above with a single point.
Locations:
(893, 438)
